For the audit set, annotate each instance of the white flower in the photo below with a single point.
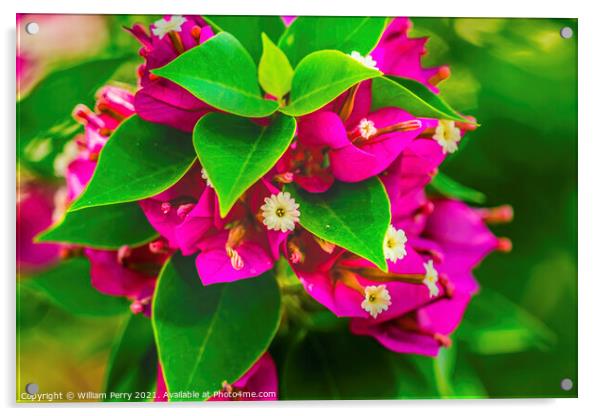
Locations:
(377, 299)
(395, 244)
(206, 178)
(430, 278)
(280, 212)
(163, 27)
(367, 60)
(447, 135)
(366, 128)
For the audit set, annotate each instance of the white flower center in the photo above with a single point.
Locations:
(163, 27)
(206, 178)
(367, 60)
(280, 212)
(395, 244)
(431, 277)
(376, 300)
(366, 128)
(447, 135)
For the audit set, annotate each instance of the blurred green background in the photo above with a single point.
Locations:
(519, 78)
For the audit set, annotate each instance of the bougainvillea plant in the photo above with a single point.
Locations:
(264, 189)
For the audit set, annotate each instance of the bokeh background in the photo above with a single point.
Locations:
(519, 78)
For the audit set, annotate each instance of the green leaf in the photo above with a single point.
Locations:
(412, 96)
(337, 366)
(320, 77)
(248, 29)
(68, 286)
(222, 73)
(448, 187)
(355, 216)
(106, 227)
(308, 34)
(44, 115)
(495, 325)
(140, 159)
(210, 334)
(275, 72)
(132, 366)
(236, 152)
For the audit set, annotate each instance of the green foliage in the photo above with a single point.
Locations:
(237, 152)
(338, 366)
(496, 325)
(335, 216)
(67, 285)
(140, 160)
(308, 34)
(412, 96)
(321, 77)
(44, 116)
(275, 72)
(132, 366)
(249, 32)
(105, 227)
(222, 73)
(210, 334)
(448, 187)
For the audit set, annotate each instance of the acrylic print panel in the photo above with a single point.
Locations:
(295, 208)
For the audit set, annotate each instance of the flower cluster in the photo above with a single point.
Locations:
(431, 245)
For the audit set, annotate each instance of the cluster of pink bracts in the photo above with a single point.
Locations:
(431, 247)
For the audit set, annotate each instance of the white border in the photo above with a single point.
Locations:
(590, 149)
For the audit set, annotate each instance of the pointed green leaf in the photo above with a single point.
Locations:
(337, 366)
(236, 152)
(412, 96)
(275, 73)
(210, 334)
(448, 187)
(248, 30)
(308, 34)
(222, 73)
(105, 227)
(132, 366)
(140, 160)
(68, 286)
(320, 77)
(355, 216)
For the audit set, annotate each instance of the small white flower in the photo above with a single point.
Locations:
(430, 278)
(377, 299)
(366, 128)
(447, 135)
(367, 60)
(206, 178)
(280, 212)
(163, 27)
(395, 244)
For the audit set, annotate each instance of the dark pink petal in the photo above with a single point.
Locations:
(397, 54)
